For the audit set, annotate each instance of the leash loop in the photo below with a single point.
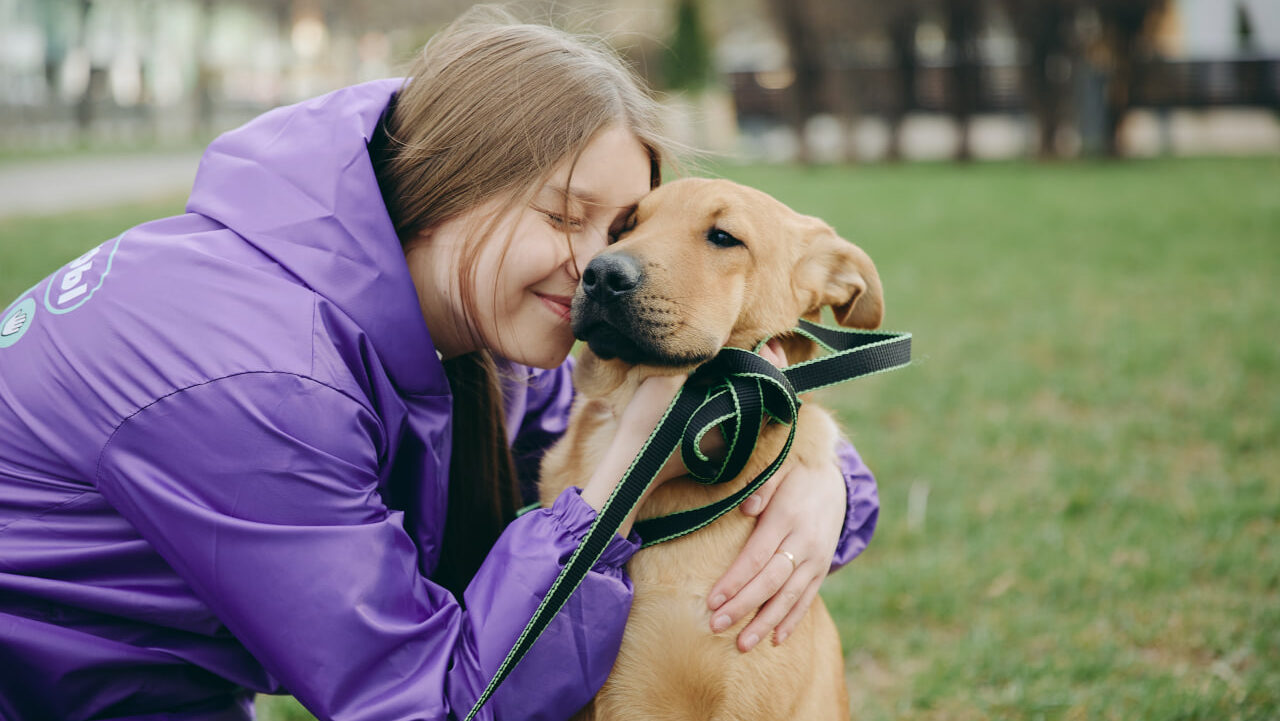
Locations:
(743, 388)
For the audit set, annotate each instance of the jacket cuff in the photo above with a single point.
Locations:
(575, 516)
(862, 508)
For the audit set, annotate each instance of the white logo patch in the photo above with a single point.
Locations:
(16, 322)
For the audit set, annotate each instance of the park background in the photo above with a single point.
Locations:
(1074, 206)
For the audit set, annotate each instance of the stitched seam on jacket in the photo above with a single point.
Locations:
(97, 467)
(49, 509)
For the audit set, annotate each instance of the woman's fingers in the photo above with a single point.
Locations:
(758, 501)
(774, 573)
(792, 599)
(773, 352)
(756, 574)
(797, 612)
(782, 592)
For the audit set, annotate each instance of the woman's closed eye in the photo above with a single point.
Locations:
(560, 221)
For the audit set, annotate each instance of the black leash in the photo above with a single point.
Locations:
(732, 391)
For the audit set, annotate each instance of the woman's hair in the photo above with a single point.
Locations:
(488, 111)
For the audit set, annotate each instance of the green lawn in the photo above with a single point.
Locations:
(1080, 474)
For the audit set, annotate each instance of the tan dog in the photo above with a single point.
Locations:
(708, 263)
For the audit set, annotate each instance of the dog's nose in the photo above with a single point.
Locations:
(610, 276)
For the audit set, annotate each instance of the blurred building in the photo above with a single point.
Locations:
(162, 70)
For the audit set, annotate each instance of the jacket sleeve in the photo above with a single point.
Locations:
(863, 505)
(261, 491)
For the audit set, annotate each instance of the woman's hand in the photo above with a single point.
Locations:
(638, 419)
(801, 513)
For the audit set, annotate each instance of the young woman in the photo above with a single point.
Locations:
(253, 448)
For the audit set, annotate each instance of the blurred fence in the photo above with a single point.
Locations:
(877, 90)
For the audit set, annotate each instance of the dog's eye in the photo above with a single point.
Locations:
(721, 239)
(628, 225)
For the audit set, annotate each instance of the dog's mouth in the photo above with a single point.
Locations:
(634, 332)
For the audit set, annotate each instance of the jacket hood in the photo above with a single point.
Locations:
(297, 183)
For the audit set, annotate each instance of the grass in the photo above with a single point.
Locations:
(1080, 474)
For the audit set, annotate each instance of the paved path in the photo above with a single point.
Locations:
(51, 186)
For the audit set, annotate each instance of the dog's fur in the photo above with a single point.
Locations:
(693, 297)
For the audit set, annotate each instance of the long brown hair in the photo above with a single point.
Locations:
(489, 109)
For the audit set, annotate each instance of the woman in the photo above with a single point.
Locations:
(252, 448)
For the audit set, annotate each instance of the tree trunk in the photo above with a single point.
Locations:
(1045, 30)
(902, 33)
(1119, 85)
(1123, 22)
(806, 63)
(962, 31)
(204, 73)
(84, 104)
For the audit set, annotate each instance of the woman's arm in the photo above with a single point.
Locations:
(804, 532)
(261, 491)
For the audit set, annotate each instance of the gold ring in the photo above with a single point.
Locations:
(791, 558)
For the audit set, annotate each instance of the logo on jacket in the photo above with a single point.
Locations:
(15, 323)
(76, 283)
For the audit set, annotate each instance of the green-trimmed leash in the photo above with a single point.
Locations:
(734, 391)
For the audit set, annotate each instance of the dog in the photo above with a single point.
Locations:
(706, 264)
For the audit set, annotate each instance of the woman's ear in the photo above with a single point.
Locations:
(837, 273)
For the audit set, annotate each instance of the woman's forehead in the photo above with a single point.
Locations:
(612, 171)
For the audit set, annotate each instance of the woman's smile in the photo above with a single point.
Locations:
(558, 304)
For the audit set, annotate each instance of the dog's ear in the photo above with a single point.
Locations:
(838, 273)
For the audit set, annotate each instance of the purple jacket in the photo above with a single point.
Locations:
(224, 451)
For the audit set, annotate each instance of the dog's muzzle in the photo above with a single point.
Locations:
(603, 312)
(620, 312)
